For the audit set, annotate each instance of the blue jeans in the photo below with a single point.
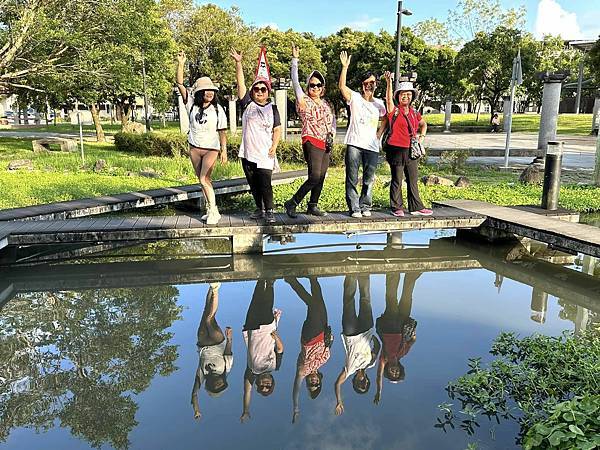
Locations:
(355, 158)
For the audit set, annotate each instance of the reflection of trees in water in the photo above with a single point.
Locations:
(572, 312)
(78, 356)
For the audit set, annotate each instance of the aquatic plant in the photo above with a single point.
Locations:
(529, 381)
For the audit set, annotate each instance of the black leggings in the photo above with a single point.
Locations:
(260, 184)
(316, 315)
(401, 165)
(352, 324)
(260, 311)
(397, 312)
(318, 163)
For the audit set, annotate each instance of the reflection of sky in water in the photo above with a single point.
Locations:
(458, 314)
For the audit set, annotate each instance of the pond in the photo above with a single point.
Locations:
(102, 351)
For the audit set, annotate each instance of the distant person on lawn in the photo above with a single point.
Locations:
(207, 138)
(405, 123)
(495, 123)
(367, 123)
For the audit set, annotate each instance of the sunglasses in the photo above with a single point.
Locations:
(368, 83)
(261, 89)
(315, 85)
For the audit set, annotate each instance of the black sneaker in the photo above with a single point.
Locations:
(290, 208)
(314, 210)
(269, 216)
(257, 214)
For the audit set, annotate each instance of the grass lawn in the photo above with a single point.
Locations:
(577, 124)
(61, 176)
(106, 126)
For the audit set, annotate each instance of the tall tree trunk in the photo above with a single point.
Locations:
(96, 118)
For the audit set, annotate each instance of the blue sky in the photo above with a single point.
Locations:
(575, 19)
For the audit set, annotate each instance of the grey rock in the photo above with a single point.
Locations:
(134, 127)
(100, 165)
(532, 174)
(462, 182)
(20, 164)
(430, 180)
(148, 172)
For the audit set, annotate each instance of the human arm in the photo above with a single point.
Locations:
(246, 400)
(345, 90)
(239, 74)
(296, 395)
(276, 139)
(179, 75)
(195, 405)
(389, 94)
(278, 342)
(374, 350)
(339, 407)
(383, 123)
(223, 144)
(300, 100)
(379, 381)
(422, 127)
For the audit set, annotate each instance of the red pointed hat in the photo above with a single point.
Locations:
(263, 73)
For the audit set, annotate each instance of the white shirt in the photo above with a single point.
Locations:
(358, 352)
(204, 130)
(364, 122)
(261, 348)
(257, 132)
(212, 357)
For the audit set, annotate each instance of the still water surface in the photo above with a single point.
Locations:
(116, 365)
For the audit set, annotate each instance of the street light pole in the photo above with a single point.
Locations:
(401, 12)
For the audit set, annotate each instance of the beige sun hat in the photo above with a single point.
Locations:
(406, 86)
(204, 84)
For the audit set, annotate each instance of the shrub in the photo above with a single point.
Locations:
(152, 144)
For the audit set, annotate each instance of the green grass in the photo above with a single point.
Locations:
(577, 124)
(61, 176)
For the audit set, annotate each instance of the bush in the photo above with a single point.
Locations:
(287, 151)
(152, 144)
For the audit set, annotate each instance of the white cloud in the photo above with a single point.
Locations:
(363, 23)
(553, 19)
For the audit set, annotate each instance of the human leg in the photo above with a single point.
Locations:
(349, 317)
(352, 160)
(249, 171)
(260, 311)
(365, 312)
(411, 170)
(396, 187)
(369, 161)
(315, 193)
(206, 167)
(209, 332)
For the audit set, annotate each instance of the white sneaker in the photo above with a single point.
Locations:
(213, 216)
(356, 215)
(366, 213)
(204, 217)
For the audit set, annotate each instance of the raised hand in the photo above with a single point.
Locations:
(389, 76)
(181, 57)
(236, 56)
(345, 59)
(197, 415)
(245, 416)
(339, 409)
(295, 51)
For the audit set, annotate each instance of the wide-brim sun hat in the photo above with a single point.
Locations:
(204, 84)
(406, 86)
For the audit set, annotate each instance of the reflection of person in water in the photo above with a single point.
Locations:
(265, 349)
(315, 340)
(395, 328)
(358, 337)
(214, 350)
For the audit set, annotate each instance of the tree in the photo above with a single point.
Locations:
(434, 32)
(207, 34)
(473, 16)
(77, 358)
(485, 63)
(593, 61)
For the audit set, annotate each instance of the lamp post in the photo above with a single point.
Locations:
(406, 12)
(146, 118)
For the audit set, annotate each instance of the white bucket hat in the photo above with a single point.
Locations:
(203, 84)
(406, 86)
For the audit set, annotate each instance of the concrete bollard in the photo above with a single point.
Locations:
(447, 115)
(232, 116)
(551, 189)
(550, 103)
(281, 102)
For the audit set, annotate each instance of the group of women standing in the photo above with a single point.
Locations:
(369, 118)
